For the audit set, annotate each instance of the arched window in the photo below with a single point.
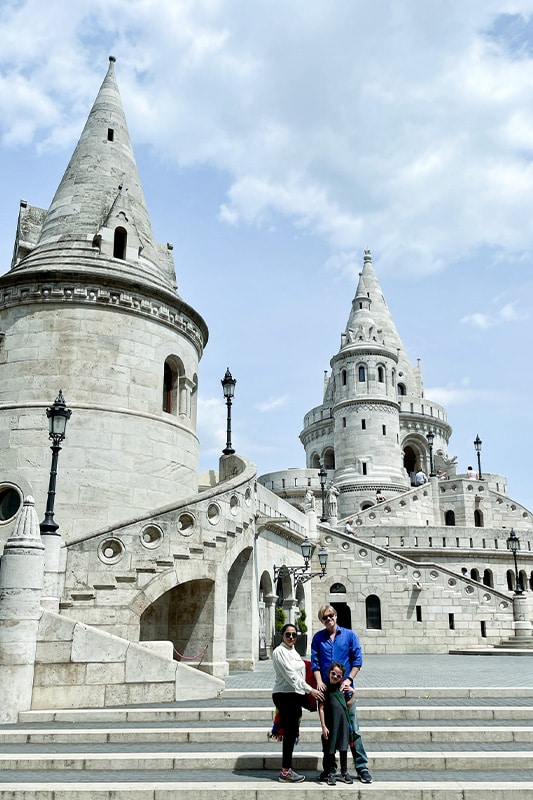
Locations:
(337, 588)
(343, 377)
(381, 374)
(488, 580)
(531, 581)
(329, 459)
(168, 386)
(315, 461)
(449, 518)
(373, 612)
(366, 504)
(176, 397)
(478, 518)
(510, 579)
(362, 374)
(119, 243)
(474, 574)
(523, 579)
(401, 389)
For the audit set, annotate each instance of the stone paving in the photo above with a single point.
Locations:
(416, 671)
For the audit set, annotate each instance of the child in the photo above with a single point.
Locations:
(335, 722)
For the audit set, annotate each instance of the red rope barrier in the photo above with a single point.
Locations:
(191, 658)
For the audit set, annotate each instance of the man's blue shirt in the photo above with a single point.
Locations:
(344, 648)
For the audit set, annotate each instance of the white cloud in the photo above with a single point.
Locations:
(456, 395)
(361, 123)
(504, 314)
(273, 403)
(211, 424)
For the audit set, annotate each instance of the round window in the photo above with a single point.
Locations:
(10, 502)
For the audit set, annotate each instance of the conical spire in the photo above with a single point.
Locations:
(370, 308)
(99, 192)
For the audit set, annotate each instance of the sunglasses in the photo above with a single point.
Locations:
(328, 616)
(336, 674)
(291, 635)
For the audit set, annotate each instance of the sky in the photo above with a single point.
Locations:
(277, 141)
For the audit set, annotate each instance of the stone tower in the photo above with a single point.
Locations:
(90, 306)
(370, 431)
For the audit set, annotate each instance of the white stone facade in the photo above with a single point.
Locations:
(153, 588)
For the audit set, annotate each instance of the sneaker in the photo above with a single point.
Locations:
(322, 778)
(364, 776)
(332, 780)
(291, 777)
(346, 777)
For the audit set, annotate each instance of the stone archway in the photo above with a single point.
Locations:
(183, 615)
(410, 458)
(239, 624)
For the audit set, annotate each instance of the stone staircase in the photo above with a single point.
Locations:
(438, 744)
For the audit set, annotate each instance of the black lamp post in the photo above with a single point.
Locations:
(323, 476)
(300, 572)
(513, 544)
(430, 437)
(477, 445)
(228, 387)
(58, 416)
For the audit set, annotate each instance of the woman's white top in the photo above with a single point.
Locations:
(289, 668)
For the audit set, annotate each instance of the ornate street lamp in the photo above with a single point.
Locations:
(323, 477)
(513, 544)
(430, 437)
(228, 387)
(58, 416)
(300, 572)
(477, 445)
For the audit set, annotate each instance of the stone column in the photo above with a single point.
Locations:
(270, 608)
(521, 616)
(54, 575)
(21, 584)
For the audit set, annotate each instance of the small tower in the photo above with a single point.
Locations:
(373, 403)
(91, 305)
(365, 406)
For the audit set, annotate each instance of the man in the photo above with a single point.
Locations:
(420, 477)
(334, 643)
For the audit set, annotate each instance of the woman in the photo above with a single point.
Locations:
(288, 694)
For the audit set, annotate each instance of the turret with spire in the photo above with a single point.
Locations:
(96, 296)
(370, 432)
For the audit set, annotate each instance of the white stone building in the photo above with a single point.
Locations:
(149, 578)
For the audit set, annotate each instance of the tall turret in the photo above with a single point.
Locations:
(90, 305)
(370, 432)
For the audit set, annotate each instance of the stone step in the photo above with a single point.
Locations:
(130, 736)
(265, 713)
(233, 760)
(435, 788)
(521, 693)
(438, 744)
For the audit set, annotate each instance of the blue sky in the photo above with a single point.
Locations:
(277, 141)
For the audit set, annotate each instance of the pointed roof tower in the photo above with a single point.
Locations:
(369, 308)
(99, 207)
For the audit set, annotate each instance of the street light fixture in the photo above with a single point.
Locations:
(430, 437)
(228, 387)
(477, 445)
(323, 477)
(300, 572)
(513, 544)
(58, 416)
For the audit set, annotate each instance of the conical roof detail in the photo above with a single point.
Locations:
(369, 304)
(102, 178)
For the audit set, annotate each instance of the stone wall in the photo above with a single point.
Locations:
(78, 666)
